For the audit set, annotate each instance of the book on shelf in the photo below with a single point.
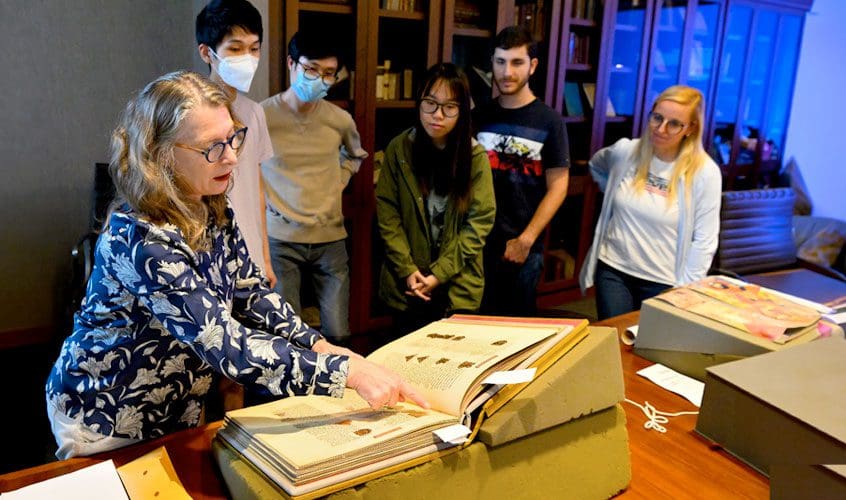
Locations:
(400, 5)
(467, 14)
(578, 49)
(590, 94)
(590, 9)
(466, 367)
(387, 82)
(407, 84)
(573, 99)
(531, 15)
(584, 9)
(578, 9)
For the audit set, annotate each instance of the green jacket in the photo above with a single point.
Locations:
(404, 226)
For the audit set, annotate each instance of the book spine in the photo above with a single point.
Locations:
(407, 84)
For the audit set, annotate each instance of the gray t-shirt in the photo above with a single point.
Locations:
(436, 208)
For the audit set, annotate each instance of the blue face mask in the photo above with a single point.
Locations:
(309, 90)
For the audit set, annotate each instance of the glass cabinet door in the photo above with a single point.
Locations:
(700, 66)
(666, 54)
(757, 83)
(729, 82)
(625, 58)
(781, 86)
(625, 70)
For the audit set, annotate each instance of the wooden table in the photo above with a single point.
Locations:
(677, 464)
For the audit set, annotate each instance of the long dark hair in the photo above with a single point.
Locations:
(451, 176)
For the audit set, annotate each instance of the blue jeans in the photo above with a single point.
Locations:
(326, 265)
(618, 293)
(511, 289)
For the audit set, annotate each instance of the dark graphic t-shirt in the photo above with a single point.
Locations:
(521, 143)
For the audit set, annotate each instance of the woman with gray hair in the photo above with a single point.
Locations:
(174, 296)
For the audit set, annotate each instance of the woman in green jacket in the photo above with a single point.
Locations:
(435, 205)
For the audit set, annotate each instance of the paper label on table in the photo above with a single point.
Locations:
(101, 478)
(629, 335)
(511, 377)
(454, 434)
(689, 388)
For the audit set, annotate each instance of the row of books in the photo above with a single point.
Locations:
(531, 15)
(401, 5)
(393, 85)
(467, 14)
(584, 9)
(578, 49)
(575, 94)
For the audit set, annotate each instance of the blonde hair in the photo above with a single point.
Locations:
(142, 160)
(691, 155)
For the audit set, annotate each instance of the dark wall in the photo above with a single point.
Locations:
(67, 69)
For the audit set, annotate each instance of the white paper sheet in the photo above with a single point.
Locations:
(838, 318)
(99, 481)
(689, 388)
(455, 434)
(511, 377)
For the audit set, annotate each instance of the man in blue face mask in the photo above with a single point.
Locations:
(317, 150)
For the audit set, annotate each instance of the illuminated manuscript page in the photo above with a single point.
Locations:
(443, 359)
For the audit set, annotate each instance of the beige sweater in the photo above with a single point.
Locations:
(314, 157)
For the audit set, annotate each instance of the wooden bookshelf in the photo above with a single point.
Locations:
(326, 7)
(461, 30)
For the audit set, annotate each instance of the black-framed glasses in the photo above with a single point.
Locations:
(215, 152)
(674, 127)
(313, 74)
(430, 106)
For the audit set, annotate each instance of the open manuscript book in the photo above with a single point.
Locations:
(747, 307)
(314, 445)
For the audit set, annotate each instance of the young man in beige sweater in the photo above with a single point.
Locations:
(317, 150)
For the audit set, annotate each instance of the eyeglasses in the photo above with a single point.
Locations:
(674, 127)
(313, 74)
(215, 152)
(430, 106)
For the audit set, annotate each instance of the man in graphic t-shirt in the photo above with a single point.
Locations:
(528, 151)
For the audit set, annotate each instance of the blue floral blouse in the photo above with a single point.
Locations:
(158, 317)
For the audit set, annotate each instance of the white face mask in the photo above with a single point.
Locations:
(237, 71)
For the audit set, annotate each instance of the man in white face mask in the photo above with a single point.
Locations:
(229, 40)
(229, 34)
(317, 149)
